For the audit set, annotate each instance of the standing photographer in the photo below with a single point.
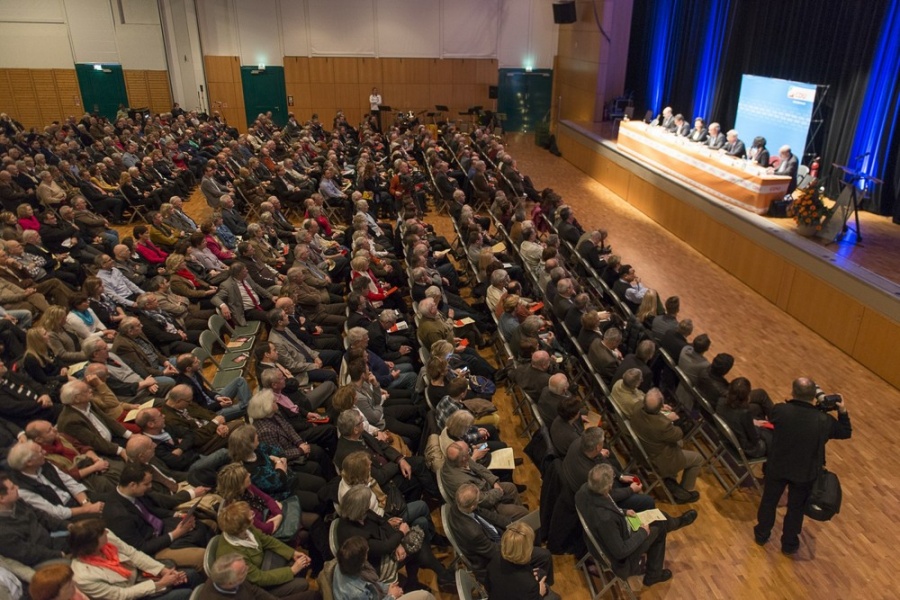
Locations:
(802, 428)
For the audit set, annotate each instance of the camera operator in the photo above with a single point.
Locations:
(802, 428)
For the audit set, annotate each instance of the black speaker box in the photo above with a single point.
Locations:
(492, 92)
(564, 12)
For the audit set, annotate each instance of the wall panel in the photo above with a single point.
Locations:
(226, 93)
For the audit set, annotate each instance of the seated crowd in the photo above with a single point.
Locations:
(357, 390)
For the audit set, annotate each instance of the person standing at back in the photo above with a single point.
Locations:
(798, 452)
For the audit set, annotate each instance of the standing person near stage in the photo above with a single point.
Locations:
(802, 428)
(374, 102)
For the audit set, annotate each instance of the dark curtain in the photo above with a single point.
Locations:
(825, 42)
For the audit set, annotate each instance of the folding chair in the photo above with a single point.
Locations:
(465, 584)
(595, 555)
(218, 321)
(222, 377)
(448, 533)
(229, 360)
(736, 453)
(332, 538)
(209, 555)
(650, 475)
(444, 493)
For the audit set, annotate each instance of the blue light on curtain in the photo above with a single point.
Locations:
(710, 57)
(878, 117)
(660, 52)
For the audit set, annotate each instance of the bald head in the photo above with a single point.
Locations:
(559, 383)
(458, 454)
(540, 360)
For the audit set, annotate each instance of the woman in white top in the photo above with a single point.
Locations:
(83, 321)
(374, 102)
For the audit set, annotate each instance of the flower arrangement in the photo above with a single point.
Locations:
(810, 211)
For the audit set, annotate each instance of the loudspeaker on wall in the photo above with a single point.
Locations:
(564, 12)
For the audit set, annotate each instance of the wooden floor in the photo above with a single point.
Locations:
(849, 557)
(716, 557)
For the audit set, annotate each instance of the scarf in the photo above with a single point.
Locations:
(187, 275)
(108, 558)
(248, 540)
(84, 315)
(57, 447)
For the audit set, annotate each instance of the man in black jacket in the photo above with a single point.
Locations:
(798, 453)
(26, 532)
(137, 520)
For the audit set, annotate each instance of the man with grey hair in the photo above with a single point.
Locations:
(604, 354)
(499, 281)
(394, 347)
(626, 393)
(623, 545)
(241, 299)
(639, 359)
(533, 377)
(228, 581)
(45, 488)
(90, 427)
(500, 496)
(123, 380)
(548, 402)
(656, 429)
(133, 345)
(565, 292)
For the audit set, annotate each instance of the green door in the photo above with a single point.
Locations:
(264, 91)
(102, 89)
(524, 97)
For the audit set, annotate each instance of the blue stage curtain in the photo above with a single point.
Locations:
(709, 62)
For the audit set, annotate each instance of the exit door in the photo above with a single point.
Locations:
(524, 97)
(102, 88)
(264, 91)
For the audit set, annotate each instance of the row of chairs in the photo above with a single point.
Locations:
(236, 344)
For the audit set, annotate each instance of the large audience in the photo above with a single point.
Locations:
(287, 379)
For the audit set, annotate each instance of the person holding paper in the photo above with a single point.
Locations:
(622, 544)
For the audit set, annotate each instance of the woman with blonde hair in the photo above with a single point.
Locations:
(510, 571)
(283, 519)
(241, 537)
(184, 283)
(648, 309)
(26, 218)
(39, 362)
(66, 346)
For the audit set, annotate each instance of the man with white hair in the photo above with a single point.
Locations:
(228, 581)
(434, 328)
(45, 488)
(787, 166)
(556, 391)
(90, 427)
(733, 145)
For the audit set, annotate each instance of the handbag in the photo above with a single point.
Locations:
(394, 503)
(412, 541)
(290, 519)
(482, 386)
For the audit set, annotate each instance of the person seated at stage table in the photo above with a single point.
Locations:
(666, 119)
(682, 129)
(758, 152)
(716, 139)
(733, 145)
(787, 167)
(699, 133)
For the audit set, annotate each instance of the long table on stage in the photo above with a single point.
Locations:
(736, 181)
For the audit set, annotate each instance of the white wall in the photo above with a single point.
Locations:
(517, 33)
(182, 43)
(45, 34)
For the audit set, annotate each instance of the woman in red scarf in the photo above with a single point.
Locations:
(184, 283)
(106, 568)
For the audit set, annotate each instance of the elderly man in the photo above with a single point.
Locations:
(297, 409)
(503, 497)
(78, 461)
(395, 347)
(390, 375)
(604, 354)
(434, 328)
(48, 191)
(21, 400)
(163, 328)
(231, 218)
(693, 362)
(733, 145)
(169, 486)
(25, 274)
(534, 377)
(228, 581)
(787, 167)
(134, 271)
(184, 418)
(639, 359)
(46, 488)
(662, 440)
(556, 391)
(90, 427)
(478, 531)
(304, 362)
(623, 545)
(626, 393)
(212, 190)
(123, 380)
(133, 346)
(178, 219)
(411, 475)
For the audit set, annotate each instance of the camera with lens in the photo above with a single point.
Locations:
(826, 402)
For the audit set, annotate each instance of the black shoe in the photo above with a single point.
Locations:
(521, 488)
(790, 551)
(663, 575)
(687, 499)
(518, 461)
(760, 540)
(686, 519)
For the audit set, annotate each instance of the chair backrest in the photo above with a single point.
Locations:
(445, 519)
(444, 494)
(593, 545)
(465, 584)
(208, 341)
(731, 441)
(332, 538)
(209, 555)
(216, 325)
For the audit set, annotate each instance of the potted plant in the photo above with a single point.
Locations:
(810, 213)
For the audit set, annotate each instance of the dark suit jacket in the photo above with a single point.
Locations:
(382, 538)
(568, 232)
(631, 362)
(206, 439)
(717, 141)
(230, 294)
(234, 222)
(473, 541)
(74, 423)
(129, 351)
(789, 168)
(673, 343)
(762, 158)
(591, 253)
(609, 527)
(547, 405)
(531, 380)
(382, 471)
(602, 359)
(124, 519)
(801, 432)
(735, 148)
